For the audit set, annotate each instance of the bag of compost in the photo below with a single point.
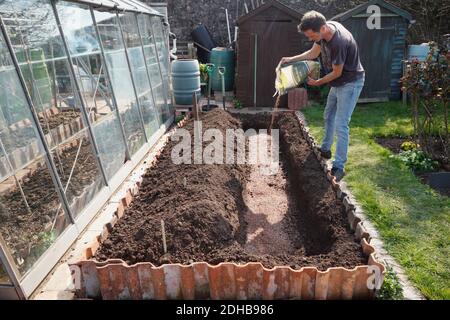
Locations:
(291, 75)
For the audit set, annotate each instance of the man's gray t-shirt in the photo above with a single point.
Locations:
(341, 49)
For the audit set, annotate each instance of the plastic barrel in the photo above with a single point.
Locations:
(201, 36)
(222, 57)
(185, 80)
(41, 76)
(418, 51)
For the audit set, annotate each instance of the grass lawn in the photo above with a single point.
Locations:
(413, 219)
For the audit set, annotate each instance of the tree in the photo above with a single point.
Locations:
(428, 84)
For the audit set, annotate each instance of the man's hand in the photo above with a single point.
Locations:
(313, 83)
(284, 60)
(336, 73)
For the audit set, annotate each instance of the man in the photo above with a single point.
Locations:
(344, 73)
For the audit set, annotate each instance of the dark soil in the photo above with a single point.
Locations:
(28, 234)
(394, 144)
(205, 214)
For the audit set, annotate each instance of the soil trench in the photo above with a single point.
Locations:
(267, 204)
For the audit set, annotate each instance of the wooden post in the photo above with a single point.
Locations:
(404, 93)
(163, 232)
(191, 51)
(255, 68)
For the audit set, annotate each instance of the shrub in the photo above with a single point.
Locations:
(416, 160)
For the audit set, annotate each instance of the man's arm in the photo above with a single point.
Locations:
(311, 54)
(336, 73)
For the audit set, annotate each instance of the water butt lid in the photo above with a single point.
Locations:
(222, 49)
(419, 51)
(185, 60)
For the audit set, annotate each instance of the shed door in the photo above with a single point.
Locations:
(274, 42)
(244, 74)
(375, 47)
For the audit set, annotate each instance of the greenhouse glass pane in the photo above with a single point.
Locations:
(32, 216)
(109, 142)
(139, 72)
(35, 37)
(120, 78)
(163, 56)
(78, 171)
(18, 133)
(90, 72)
(152, 64)
(4, 278)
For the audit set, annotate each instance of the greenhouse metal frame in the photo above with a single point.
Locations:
(84, 95)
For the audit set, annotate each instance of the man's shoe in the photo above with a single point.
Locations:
(325, 154)
(337, 173)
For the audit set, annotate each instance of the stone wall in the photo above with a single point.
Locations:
(185, 15)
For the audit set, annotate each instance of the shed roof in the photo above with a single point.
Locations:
(297, 14)
(362, 8)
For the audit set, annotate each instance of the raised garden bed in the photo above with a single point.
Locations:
(232, 232)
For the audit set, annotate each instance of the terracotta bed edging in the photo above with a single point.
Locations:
(115, 279)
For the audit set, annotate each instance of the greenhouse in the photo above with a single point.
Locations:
(84, 94)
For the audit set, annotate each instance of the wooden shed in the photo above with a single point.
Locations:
(382, 50)
(266, 34)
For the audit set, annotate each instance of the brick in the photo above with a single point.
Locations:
(297, 98)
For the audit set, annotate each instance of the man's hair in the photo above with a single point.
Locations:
(312, 20)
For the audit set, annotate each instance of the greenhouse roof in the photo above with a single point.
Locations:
(126, 5)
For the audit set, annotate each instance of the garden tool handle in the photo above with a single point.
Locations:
(221, 71)
(210, 67)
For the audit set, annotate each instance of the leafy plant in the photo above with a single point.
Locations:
(47, 238)
(409, 145)
(391, 288)
(237, 104)
(203, 73)
(417, 160)
(179, 117)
